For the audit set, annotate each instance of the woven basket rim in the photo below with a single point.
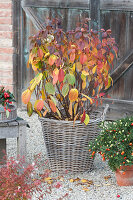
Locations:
(11, 106)
(99, 119)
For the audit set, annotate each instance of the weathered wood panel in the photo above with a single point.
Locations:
(116, 5)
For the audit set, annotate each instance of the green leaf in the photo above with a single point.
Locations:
(65, 89)
(87, 119)
(7, 113)
(50, 88)
(29, 108)
(53, 99)
(71, 79)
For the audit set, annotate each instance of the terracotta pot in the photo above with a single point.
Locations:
(124, 179)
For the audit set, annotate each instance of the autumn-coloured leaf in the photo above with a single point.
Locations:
(85, 73)
(78, 66)
(88, 98)
(87, 119)
(65, 90)
(84, 84)
(34, 68)
(38, 106)
(33, 85)
(61, 75)
(71, 180)
(52, 106)
(83, 58)
(61, 86)
(73, 95)
(39, 113)
(50, 88)
(93, 92)
(70, 108)
(40, 53)
(55, 76)
(101, 94)
(94, 69)
(38, 78)
(58, 112)
(26, 95)
(29, 108)
(85, 189)
(45, 112)
(83, 117)
(110, 80)
(43, 94)
(52, 60)
(72, 57)
(28, 64)
(71, 79)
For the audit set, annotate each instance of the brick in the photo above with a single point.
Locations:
(8, 87)
(6, 80)
(6, 57)
(4, 27)
(7, 34)
(7, 50)
(6, 42)
(5, 13)
(5, 5)
(6, 65)
(6, 20)
(5, 73)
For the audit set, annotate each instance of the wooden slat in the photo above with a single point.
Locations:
(118, 108)
(95, 14)
(123, 67)
(57, 3)
(116, 5)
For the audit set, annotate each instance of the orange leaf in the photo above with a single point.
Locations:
(55, 76)
(70, 108)
(26, 95)
(75, 119)
(93, 92)
(52, 106)
(73, 95)
(45, 112)
(40, 53)
(83, 58)
(78, 66)
(38, 105)
(52, 60)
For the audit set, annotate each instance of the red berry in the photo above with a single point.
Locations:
(118, 195)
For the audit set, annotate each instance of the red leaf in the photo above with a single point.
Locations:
(83, 58)
(61, 75)
(83, 117)
(101, 94)
(40, 53)
(61, 86)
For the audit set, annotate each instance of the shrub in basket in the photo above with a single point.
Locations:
(115, 144)
(71, 71)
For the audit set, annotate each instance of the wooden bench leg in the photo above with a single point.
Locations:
(21, 141)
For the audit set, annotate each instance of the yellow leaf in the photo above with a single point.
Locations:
(94, 69)
(73, 95)
(73, 68)
(43, 94)
(79, 66)
(75, 108)
(87, 97)
(85, 73)
(58, 112)
(70, 108)
(110, 80)
(87, 119)
(71, 180)
(38, 78)
(48, 178)
(33, 85)
(39, 113)
(85, 189)
(45, 112)
(93, 92)
(84, 84)
(84, 181)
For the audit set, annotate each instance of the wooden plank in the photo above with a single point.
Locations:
(8, 132)
(126, 63)
(116, 5)
(118, 108)
(95, 14)
(57, 4)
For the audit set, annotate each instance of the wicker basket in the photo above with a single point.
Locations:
(12, 114)
(67, 146)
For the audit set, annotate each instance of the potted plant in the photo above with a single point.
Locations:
(71, 71)
(7, 109)
(115, 144)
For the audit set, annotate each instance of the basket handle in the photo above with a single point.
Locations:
(104, 112)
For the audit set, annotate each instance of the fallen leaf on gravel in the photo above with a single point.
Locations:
(84, 181)
(70, 189)
(71, 180)
(97, 185)
(107, 177)
(85, 189)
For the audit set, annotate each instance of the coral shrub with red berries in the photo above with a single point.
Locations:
(6, 98)
(115, 143)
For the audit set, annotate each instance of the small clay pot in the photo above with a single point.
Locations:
(124, 176)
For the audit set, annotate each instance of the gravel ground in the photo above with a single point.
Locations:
(101, 189)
